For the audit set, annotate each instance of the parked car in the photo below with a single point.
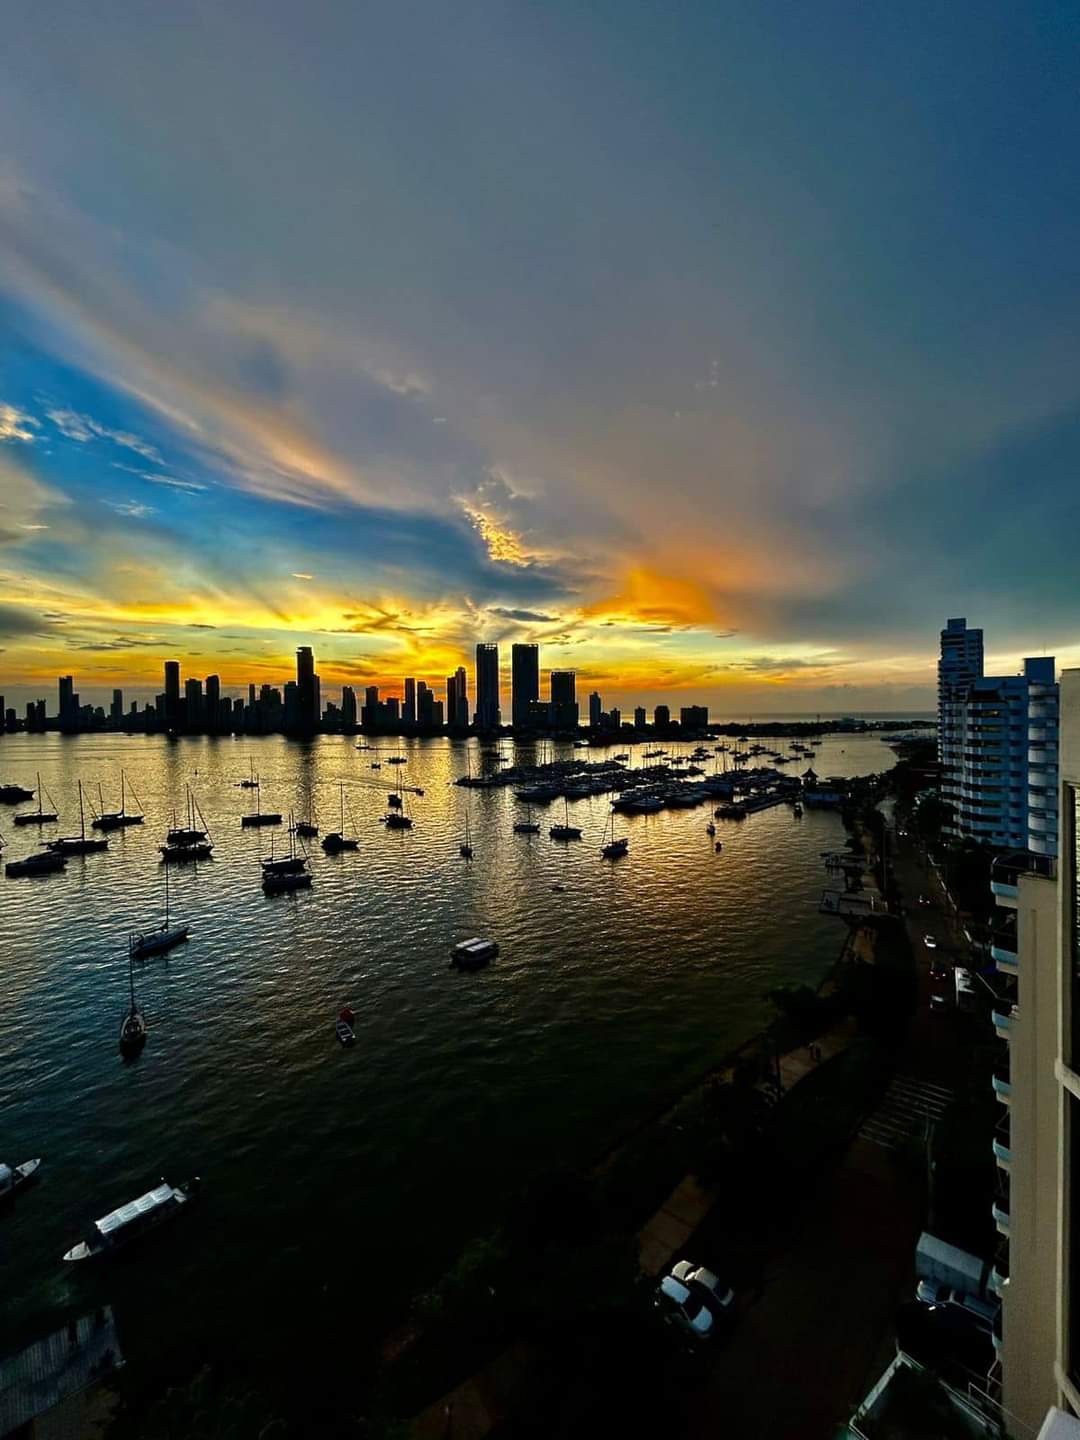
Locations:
(939, 970)
(693, 1299)
(722, 1295)
(929, 942)
(980, 1311)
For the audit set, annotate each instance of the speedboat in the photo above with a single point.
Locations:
(14, 794)
(134, 1219)
(474, 953)
(14, 1177)
(43, 863)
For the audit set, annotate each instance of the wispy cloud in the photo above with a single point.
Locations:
(84, 428)
(17, 425)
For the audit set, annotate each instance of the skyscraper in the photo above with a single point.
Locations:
(960, 663)
(525, 682)
(68, 704)
(596, 710)
(460, 716)
(408, 710)
(640, 719)
(487, 686)
(116, 709)
(348, 706)
(451, 698)
(215, 721)
(307, 692)
(172, 694)
(564, 706)
(193, 705)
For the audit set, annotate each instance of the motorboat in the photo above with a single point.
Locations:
(14, 794)
(44, 863)
(40, 816)
(14, 1178)
(130, 1221)
(344, 1027)
(473, 954)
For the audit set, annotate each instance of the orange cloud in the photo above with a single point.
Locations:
(650, 598)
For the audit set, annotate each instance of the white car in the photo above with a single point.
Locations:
(694, 1298)
(929, 942)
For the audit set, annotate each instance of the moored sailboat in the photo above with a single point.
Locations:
(337, 840)
(80, 844)
(40, 816)
(117, 819)
(133, 1030)
(613, 849)
(188, 842)
(260, 816)
(165, 937)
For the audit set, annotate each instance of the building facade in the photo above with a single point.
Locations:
(1037, 1080)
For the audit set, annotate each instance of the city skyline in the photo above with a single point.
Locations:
(711, 414)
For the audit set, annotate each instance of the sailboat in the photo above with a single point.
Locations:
(465, 848)
(116, 819)
(188, 842)
(309, 827)
(566, 831)
(260, 816)
(252, 782)
(44, 862)
(156, 942)
(15, 794)
(78, 844)
(396, 818)
(39, 816)
(337, 840)
(614, 849)
(290, 872)
(133, 1027)
(528, 826)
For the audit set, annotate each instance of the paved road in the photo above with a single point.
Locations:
(806, 1352)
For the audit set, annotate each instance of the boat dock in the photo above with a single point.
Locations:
(61, 1370)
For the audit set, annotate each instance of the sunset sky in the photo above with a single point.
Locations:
(725, 349)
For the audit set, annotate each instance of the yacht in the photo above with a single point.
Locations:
(134, 1219)
(40, 816)
(78, 844)
(14, 1178)
(117, 819)
(472, 954)
(165, 937)
(44, 863)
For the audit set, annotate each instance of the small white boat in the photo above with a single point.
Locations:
(343, 1027)
(472, 954)
(13, 1178)
(134, 1219)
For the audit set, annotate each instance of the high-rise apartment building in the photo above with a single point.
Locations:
(694, 717)
(408, 709)
(487, 686)
(348, 706)
(1036, 949)
(640, 718)
(596, 710)
(960, 663)
(525, 682)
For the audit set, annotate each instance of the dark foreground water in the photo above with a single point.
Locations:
(337, 1182)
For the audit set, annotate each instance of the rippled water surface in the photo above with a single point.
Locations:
(338, 1181)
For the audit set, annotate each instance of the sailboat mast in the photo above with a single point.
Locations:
(39, 811)
(166, 897)
(123, 802)
(82, 817)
